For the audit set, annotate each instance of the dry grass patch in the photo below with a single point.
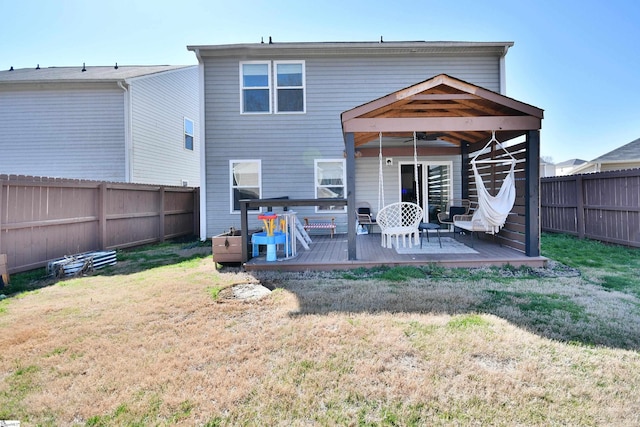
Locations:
(160, 347)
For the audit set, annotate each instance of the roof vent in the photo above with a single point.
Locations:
(270, 41)
(83, 68)
(38, 67)
(116, 67)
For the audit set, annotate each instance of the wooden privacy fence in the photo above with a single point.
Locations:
(602, 206)
(43, 218)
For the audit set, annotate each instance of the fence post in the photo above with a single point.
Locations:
(580, 226)
(196, 211)
(102, 215)
(161, 214)
(1, 211)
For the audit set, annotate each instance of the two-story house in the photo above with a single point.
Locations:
(297, 119)
(134, 124)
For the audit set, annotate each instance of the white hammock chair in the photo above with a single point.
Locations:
(492, 211)
(403, 218)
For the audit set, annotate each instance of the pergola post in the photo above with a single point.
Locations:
(349, 142)
(532, 194)
(464, 168)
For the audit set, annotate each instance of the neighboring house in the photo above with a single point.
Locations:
(273, 128)
(568, 167)
(625, 157)
(135, 124)
(547, 168)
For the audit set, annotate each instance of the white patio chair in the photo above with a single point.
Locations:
(400, 220)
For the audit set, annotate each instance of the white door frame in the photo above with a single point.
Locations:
(425, 182)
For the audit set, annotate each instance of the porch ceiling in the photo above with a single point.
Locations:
(442, 108)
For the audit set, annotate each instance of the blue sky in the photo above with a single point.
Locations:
(577, 60)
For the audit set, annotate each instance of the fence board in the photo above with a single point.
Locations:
(44, 218)
(602, 206)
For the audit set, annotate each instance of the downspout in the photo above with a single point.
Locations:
(203, 143)
(128, 145)
(503, 72)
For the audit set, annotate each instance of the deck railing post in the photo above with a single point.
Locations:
(244, 227)
(349, 142)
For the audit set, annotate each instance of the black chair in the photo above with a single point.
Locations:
(454, 207)
(364, 217)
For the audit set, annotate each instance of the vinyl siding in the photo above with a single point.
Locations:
(288, 144)
(159, 104)
(63, 132)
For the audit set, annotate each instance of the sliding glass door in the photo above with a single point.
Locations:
(434, 186)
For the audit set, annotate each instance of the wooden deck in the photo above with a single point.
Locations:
(331, 254)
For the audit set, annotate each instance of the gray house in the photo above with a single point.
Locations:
(623, 157)
(308, 121)
(134, 124)
(568, 166)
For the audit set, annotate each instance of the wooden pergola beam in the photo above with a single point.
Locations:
(408, 151)
(443, 97)
(441, 124)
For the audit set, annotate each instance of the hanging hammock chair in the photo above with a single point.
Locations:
(492, 211)
(400, 220)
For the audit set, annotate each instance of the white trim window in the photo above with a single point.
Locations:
(330, 180)
(188, 134)
(245, 178)
(255, 87)
(289, 86)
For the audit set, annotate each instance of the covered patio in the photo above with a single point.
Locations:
(455, 118)
(452, 118)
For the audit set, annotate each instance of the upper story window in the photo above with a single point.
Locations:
(188, 134)
(256, 87)
(289, 87)
(287, 84)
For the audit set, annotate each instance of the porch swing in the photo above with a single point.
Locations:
(492, 211)
(400, 219)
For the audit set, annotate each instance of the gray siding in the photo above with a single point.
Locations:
(63, 132)
(288, 144)
(159, 104)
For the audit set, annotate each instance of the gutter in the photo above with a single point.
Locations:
(128, 143)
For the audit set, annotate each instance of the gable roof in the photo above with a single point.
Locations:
(570, 162)
(75, 74)
(627, 152)
(456, 110)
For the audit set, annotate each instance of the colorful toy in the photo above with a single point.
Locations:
(269, 223)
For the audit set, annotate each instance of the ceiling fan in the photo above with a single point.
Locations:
(424, 136)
